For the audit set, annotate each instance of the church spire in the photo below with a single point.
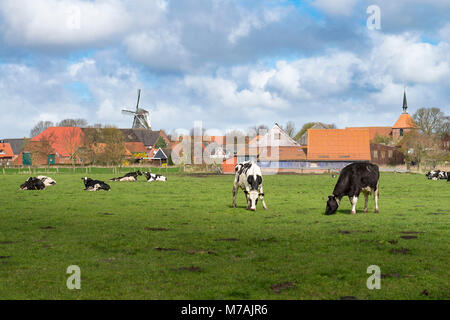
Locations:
(405, 103)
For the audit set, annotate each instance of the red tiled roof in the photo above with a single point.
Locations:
(135, 147)
(64, 140)
(338, 144)
(404, 122)
(374, 131)
(6, 150)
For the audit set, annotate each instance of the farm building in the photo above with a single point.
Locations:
(321, 148)
(74, 145)
(6, 154)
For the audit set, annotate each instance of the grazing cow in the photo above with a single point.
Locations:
(130, 176)
(47, 180)
(33, 183)
(353, 179)
(154, 177)
(94, 185)
(248, 177)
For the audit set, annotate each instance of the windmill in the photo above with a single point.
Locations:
(141, 116)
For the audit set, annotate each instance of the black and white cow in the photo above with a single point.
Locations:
(130, 176)
(94, 185)
(248, 177)
(33, 183)
(353, 179)
(47, 180)
(154, 177)
(438, 175)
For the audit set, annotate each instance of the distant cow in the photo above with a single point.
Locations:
(94, 185)
(438, 175)
(154, 177)
(47, 180)
(130, 176)
(33, 183)
(353, 179)
(248, 177)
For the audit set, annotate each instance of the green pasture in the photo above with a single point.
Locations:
(183, 240)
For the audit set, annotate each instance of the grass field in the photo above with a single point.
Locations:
(183, 240)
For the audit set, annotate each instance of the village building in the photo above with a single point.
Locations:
(6, 154)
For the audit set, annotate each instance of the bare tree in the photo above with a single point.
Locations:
(431, 121)
(289, 128)
(40, 127)
(256, 130)
(73, 123)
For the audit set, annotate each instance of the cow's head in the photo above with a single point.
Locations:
(332, 205)
(253, 198)
(139, 173)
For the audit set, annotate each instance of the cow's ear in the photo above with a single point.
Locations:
(330, 197)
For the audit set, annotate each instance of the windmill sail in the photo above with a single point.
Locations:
(141, 116)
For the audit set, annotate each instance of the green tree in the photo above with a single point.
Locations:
(161, 143)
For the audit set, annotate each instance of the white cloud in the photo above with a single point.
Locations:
(335, 7)
(62, 23)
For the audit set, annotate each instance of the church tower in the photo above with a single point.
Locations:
(405, 123)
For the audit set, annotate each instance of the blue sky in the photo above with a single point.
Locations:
(230, 64)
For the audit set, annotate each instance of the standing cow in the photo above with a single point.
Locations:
(353, 179)
(248, 177)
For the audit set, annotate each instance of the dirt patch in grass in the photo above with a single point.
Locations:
(393, 241)
(390, 275)
(227, 239)
(106, 213)
(438, 213)
(202, 252)
(165, 249)
(5, 257)
(277, 288)
(401, 250)
(47, 228)
(156, 229)
(270, 239)
(411, 232)
(425, 293)
(408, 237)
(107, 260)
(6, 242)
(345, 231)
(190, 269)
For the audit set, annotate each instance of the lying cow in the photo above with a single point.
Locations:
(130, 176)
(248, 177)
(47, 180)
(438, 175)
(154, 177)
(33, 183)
(353, 179)
(94, 185)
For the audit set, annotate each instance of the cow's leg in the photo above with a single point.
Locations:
(366, 199)
(354, 201)
(247, 197)
(376, 200)
(261, 196)
(235, 187)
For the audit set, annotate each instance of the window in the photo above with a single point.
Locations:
(277, 136)
(375, 154)
(401, 132)
(390, 154)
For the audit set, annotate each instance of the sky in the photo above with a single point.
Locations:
(227, 63)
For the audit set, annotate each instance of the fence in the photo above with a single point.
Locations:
(83, 170)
